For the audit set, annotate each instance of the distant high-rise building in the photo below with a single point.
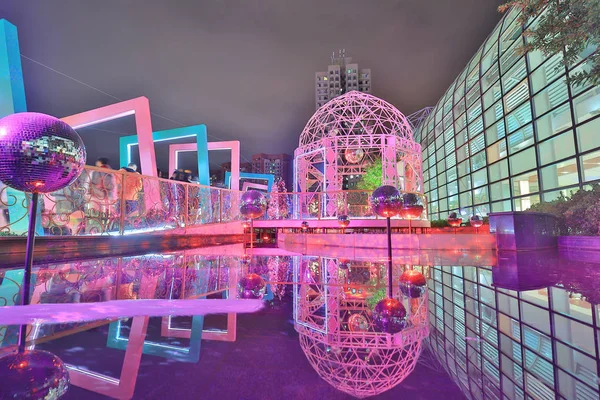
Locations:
(280, 165)
(342, 76)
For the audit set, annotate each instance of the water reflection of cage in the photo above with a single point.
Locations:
(337, 333)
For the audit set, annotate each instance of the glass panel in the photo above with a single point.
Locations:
(551, 70)
(488, 59)
(494, 93)
(462, 138)
(463, 168)
(557, 148)
(472, 96)
(476, 127)
(495, 132)
(514, 76)
(500, 190)
(520, 139)
(501, 206)
(523, 203)
(479, 178)
(498, 170)
(496, 151)
(525, 184)
(590, 166)
(550, 97)
(587, 135)
(465, 200)
(493, 114)
(464, 183)
(574, 333)
(478, 161)
(555, 121)
(560, 174)
(516, 96)
(518, 118)
(451, 173)
(522, 161)
(587, 105)
(480, 195)
(477, 144)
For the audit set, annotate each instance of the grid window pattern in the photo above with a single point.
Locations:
(504, 344)
(510, 116)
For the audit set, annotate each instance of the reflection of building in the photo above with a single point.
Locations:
(497, 343)
(341, 76)
(217, 177)
(510, 131)
(279, 165)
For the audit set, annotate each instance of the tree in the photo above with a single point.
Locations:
(372, 178)
(568, 26)
(278, 202)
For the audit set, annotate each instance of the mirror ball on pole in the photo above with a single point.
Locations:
(38, 154)
(253, 204)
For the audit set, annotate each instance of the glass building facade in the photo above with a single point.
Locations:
(510, 132)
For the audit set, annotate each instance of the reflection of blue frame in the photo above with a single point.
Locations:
(183, 354)
(270, 178)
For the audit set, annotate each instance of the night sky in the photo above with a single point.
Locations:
(244, 68)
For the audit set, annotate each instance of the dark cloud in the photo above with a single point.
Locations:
(244, 68)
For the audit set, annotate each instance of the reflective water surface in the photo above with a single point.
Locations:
(490, 326)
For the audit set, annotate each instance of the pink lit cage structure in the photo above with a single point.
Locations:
(328, 294)
(345, 136)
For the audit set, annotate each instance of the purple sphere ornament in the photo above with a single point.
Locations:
(389, 316)
(412, 283)
(253, 204)
(412, 208)
(343, 221)
(33, 374)
(304, 226)
(354, 156)
(386, 201)
(39, 153)
(252, 286)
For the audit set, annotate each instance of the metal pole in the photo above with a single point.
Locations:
(251, 236)
(25, 288)
(389, 238)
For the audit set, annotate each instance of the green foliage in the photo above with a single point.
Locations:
(6, 233)
(372, 178)
(376, 298)
(577, 215)
(568, 26)
(439, 223)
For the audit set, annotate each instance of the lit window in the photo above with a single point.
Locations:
(324, 78)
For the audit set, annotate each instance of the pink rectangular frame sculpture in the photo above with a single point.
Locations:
(233, 145)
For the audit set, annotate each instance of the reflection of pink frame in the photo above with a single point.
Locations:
(232, 145)
(140, 109)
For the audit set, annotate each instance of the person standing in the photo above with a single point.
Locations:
(101, 189)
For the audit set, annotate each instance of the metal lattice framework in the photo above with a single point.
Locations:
(363, 363)
(366, 125)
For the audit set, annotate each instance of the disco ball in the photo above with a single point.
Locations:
(412, 208)
(245, 259)
(344, 263)
(358, 323)
(389, 316)
(252, 286)
(253, 204)
(454, 220)
(343, 221)
(354, 156)
(386, 201)
(412, 283)
(476, 221)
(39, 153)
(33, 374)
(304, 225)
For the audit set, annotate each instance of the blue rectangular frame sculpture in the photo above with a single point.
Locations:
(198, 131)
(270, 178)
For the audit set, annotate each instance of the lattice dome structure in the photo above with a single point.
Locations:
(348, 134)
(332, 314)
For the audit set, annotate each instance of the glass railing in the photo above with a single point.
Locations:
(111, 202)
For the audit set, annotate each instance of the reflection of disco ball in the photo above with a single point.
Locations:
(354, 156)
(252, 286)
(412, 283)
(253, 204)
(39, 153)
(34, 374)
(304, 225)
(476, 221)
(454, 220)
(343, 221)
(386, 201)
(389, 316)
(358, 323)
(411, 206)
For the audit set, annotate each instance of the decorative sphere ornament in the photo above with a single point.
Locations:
(304, 226)
(39, 153)
(33, 374)
(412, 208)
(343, 221)
(253, 204)
(412, 283)
(476, 221)
(354, 156)
(252, 286)
(454, 220)
(343, 263)
(386, 201)
(358, 323)
(389, 316)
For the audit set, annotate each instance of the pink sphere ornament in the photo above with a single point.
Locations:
(412, 283)
(343, 221)
(252, 286)
(412, 208)
(358, 323)
(253, 204)
(389, 316)
(454, 220)
(39, 153)
(33, 374)
(354, 156)
(304, 226)
(386, 201)
(476, 221)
